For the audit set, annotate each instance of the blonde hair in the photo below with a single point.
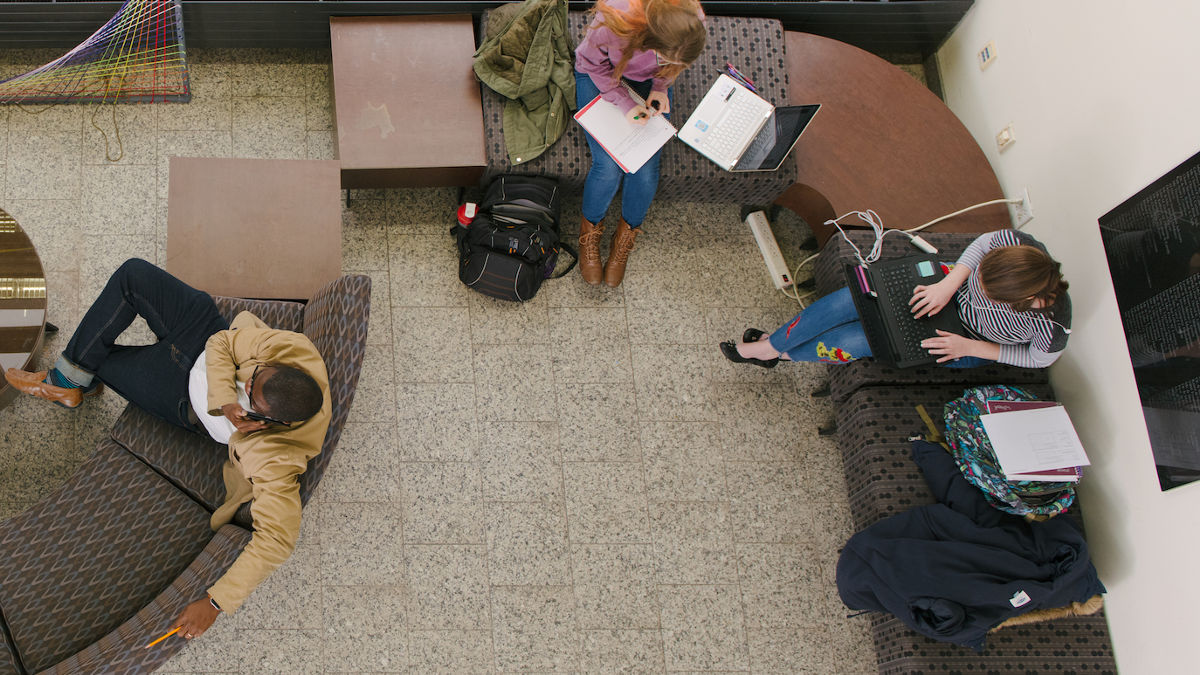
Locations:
(671, 27)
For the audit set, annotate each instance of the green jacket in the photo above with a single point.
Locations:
(527, 59)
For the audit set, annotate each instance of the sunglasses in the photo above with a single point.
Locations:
(257, 416)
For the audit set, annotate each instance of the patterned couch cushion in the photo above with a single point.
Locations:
(120, 651)
(190, 461)
(336, 321)
(1073, 645)
(93, 553)
(8, 655)
(755, 46)
(844, 380)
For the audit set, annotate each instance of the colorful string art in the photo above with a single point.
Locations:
(137, 57)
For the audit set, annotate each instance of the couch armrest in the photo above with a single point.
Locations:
(122, 649)
(336, 319)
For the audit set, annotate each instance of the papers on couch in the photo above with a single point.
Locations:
(1034, 441)
(630, 145)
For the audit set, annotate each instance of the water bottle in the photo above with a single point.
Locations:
(466, 213)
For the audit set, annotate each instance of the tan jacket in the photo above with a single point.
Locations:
(264, 466)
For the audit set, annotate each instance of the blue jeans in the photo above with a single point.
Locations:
(604, 178)
(829, 330)
(154, 377)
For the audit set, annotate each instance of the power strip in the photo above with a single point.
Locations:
(781, 276)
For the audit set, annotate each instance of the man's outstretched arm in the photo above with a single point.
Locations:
(276, 512)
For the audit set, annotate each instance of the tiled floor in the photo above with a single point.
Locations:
(579, 483)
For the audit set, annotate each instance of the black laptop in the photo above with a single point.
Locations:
(881, 294)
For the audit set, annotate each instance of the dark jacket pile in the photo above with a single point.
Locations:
(956, 569)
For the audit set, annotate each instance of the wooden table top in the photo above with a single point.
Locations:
(881, 141)
(405, 95)
(254, 228)
(22, 301)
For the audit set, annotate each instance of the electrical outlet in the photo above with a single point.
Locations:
(1023, 211)
(987, 55)
(1006, 137)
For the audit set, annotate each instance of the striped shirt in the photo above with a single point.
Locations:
(1031, 339)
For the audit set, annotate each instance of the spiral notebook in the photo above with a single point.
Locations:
(630, 145)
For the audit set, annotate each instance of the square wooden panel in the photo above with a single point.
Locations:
(255, 228)
(406, 101)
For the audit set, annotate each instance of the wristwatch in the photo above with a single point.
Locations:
(214, 603)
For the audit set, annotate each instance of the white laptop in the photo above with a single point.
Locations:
(740, 131)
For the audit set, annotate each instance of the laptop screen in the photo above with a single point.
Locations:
(775, 141)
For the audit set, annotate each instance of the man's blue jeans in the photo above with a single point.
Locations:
(605, 176)
(154, 377)
(828, 330)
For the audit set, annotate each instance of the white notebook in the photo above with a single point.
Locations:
(1029, 441)
(630, 145)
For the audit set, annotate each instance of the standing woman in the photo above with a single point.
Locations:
(647, 43)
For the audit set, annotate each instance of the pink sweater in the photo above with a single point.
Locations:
(600, 51)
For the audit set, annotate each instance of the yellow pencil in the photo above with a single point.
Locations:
(169, 634)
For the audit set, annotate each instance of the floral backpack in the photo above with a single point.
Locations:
(973, 453)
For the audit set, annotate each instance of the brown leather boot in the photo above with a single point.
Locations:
(618, 254)
(589, 251)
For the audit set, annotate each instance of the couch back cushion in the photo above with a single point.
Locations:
(93, 553)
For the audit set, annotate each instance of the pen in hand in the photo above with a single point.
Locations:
(164, 637)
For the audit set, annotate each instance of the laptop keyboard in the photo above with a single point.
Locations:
(898, 283)
(728, 135)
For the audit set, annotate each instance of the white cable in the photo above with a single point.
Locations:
(962, 211)
(871, 218)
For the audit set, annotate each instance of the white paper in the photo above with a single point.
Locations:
(631, 145)
(1029, 441)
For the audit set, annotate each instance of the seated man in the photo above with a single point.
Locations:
(264, 392)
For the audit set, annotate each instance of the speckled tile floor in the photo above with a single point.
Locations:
(579, 483)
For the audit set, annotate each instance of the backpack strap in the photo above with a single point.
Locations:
(935, 434)
(566, 248)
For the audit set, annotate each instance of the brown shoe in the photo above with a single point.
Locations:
(34, 384)
(618, 254)
(589, 251)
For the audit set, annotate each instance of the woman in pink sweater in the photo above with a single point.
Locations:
(647, 43)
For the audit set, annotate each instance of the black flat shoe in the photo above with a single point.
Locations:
(730, 351)
(752, 335)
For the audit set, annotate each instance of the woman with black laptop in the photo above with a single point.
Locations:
(1012, 300)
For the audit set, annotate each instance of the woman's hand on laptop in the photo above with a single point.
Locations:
(931, 299)
(951, 346)
(658, 102)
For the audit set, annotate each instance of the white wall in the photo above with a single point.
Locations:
(1104, 96)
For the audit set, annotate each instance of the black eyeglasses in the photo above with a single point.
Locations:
(257, 416)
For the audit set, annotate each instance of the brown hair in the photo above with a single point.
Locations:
(1018, 275)
(671, 27)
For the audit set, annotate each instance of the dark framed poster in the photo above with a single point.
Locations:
(1152, 242)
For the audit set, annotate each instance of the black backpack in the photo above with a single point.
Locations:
(512, 246)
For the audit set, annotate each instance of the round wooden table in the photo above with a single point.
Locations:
(881, 141)
(22, 302)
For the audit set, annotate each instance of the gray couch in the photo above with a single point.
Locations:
(103, 564)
